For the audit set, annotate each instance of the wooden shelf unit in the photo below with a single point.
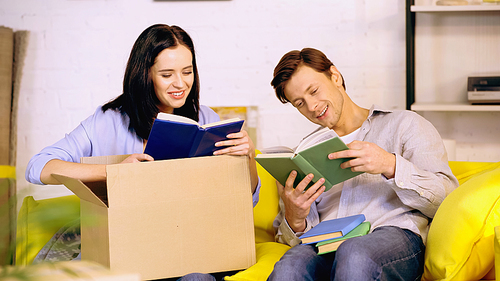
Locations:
(461, 8)
(453, 107)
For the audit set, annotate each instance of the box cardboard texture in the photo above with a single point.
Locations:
(168, 218)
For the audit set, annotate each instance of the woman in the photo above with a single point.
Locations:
(161, 76)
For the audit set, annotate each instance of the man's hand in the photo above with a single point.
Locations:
(297, 201)
(368, 157)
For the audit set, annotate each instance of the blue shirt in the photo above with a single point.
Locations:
(101, 134)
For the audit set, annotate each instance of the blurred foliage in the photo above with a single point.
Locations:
(7, 225)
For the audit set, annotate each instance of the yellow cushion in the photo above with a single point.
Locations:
(497, 252)
(460, 239)
(267, 208)
(39, 220)
(268, 252)
(465, 170)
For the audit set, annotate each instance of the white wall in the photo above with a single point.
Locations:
(449, 47)
(78, 51)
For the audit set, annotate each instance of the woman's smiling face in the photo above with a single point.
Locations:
(173, 77)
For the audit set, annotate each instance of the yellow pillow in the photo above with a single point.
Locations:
(497, 252)
(268, 252)
(266, 210)
(460, 239)
(464, 170)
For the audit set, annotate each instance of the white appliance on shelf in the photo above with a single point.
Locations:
(483, 89)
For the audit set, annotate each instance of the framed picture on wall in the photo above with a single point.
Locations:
(186, 0)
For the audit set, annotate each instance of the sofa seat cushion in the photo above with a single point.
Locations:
(266, 210)
(461, 237)
(268, 253)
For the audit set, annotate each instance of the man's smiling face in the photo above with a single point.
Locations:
(316, 95)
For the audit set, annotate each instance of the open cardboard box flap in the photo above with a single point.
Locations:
(80, 189)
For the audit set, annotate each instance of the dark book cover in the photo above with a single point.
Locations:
(172, 139)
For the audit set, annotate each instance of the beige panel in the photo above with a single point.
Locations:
(6, 64)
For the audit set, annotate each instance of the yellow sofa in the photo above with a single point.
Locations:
(461, 238)
(462, 243)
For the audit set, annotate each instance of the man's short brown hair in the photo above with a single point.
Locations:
(289, 63)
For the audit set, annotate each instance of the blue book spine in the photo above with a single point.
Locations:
(343, 225)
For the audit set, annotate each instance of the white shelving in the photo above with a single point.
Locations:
(461, 8)
(452, 43)
(453, 107)
(450, 46)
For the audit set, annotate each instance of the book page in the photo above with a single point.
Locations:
(274, 155)
(276, 149)
(227, 121)
(319, 135)
(176, 118)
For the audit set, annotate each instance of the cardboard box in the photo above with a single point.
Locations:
(168, 218)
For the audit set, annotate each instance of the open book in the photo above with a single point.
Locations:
(174, 136)
(310, 156)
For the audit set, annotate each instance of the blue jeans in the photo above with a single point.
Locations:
(197, 277)
(388, 253)
(204, 276)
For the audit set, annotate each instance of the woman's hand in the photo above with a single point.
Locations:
(237, 144)
(138, 157)
(240, 144)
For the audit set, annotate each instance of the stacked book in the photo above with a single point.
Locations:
(329, 234)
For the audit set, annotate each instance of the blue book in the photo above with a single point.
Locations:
(330, 229)
(174, 136)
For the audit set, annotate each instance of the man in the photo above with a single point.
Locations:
(407, 177)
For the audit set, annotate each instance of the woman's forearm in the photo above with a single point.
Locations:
(83, 172)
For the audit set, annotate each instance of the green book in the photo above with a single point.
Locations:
(332, 245)
(310, 156)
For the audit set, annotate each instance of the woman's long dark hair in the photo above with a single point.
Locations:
(138, 100)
